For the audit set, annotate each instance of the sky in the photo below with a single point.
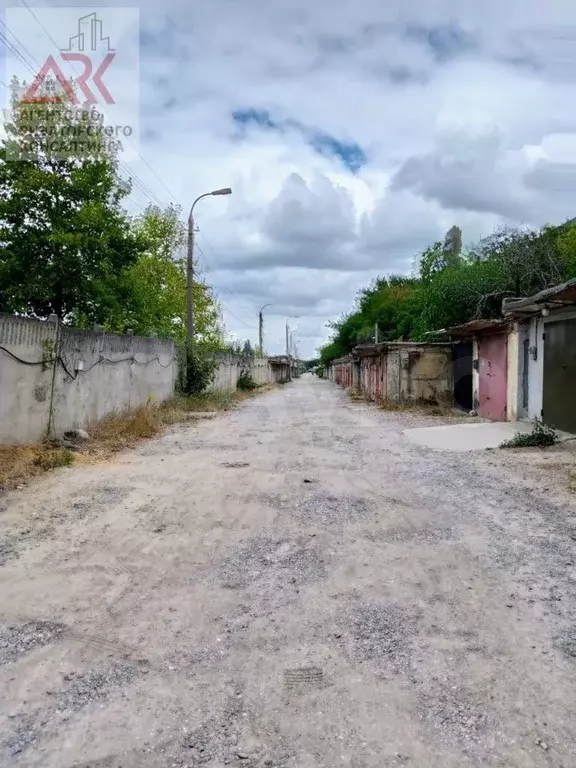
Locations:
(353, 135)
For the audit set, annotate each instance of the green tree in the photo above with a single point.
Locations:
(156, 284)
(64, 239)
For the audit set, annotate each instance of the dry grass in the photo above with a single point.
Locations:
(421, 406)
(119, 431)
(116, 432)
(20, 463)
(390, 405)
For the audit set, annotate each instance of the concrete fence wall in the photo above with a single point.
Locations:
(88, 377)
(69, 378)
(230, 367)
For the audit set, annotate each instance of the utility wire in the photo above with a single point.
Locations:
(141, 186)
(139, 183)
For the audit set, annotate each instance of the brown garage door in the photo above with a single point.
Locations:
(559, 397)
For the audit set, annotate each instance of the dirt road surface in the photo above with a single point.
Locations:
(295, 585)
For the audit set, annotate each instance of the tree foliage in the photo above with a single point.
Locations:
(68, 247)
(454, 287)
(64, 239)
(156, 285)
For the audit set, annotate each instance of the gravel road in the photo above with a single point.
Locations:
(290, 585)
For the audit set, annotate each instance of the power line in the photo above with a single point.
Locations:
(142, 186)
(17, 53)
(20, 43)
(250, 310)
(226, 307)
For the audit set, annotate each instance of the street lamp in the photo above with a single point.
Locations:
(292, 317)
(261, 328)
(190, 271)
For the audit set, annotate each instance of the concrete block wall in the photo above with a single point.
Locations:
(426, 373)
(25, 387)
(94, 375)
(230, 366)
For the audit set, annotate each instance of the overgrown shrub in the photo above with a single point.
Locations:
(61, 457)
(196, 371)
(245, 382)
(541, 436)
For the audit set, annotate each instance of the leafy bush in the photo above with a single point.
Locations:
(196, 371)
(245, 382)
(541, 436)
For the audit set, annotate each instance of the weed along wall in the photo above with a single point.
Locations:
(61, 380)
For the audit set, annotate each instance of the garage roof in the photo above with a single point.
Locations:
(559, 296)
(467, 330)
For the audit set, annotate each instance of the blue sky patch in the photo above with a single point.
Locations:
(349, 153)
(446, 42)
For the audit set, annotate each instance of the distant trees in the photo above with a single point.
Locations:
(454, 285)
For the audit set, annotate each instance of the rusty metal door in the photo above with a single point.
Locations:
(559, 405)
(493, 354)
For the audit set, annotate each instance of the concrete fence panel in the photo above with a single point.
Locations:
(72, 381)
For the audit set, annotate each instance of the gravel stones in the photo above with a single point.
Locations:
(329, 510)
(382, 633)
(455, 711)
(96, 684)
(8, 549)
(566, 642)
(23, 736)
(18, 640)
(408, 534)
(272, 562)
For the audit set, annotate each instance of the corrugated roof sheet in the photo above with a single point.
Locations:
(473, 327)
(559, 295)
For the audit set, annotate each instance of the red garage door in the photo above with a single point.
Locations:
(493, 353)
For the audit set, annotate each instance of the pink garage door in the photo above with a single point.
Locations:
(493, 353)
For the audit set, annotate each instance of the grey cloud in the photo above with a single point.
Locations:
(474, 175)
(452, 122)
(305, 214)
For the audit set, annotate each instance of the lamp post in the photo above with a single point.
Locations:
(190, 270)
(261, 328)
(292, 317)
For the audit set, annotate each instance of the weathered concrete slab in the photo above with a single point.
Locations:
(467, 437)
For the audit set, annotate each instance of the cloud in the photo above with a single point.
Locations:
(353, 136)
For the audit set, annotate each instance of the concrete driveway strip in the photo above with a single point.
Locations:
(294, 584)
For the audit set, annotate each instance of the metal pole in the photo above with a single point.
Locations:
(261, 328)
(288, 353)
(190, 281)
(190, 265)
(261, 332)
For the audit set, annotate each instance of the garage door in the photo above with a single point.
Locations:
(492, 352)
(559, 401)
